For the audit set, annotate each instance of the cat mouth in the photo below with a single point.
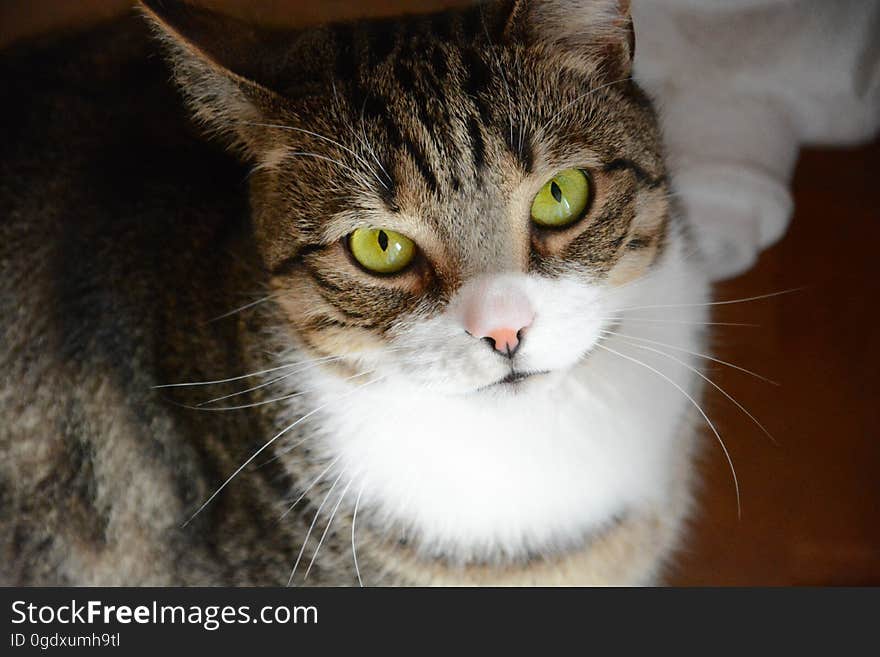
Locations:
(513, 379)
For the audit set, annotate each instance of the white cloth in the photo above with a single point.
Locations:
(740, 86)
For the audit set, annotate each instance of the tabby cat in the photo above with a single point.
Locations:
(368, 303)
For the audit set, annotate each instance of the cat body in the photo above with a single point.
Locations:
(204, 386)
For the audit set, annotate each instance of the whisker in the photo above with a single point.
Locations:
(653, 320)
(305, 368)
(712, 383)
(312, 527)
(286, 450)
(362, 136)
(717, 303)
(357, 156)
(282, 452)
(701, 411)
(269, 401)
(358, 176)
(357, 568)
(693, 353)
(234, 378)
(270, 442)
(561, 112)
(242, 308)
(366, 142)
(326, 530)
(309, 487)
(353, 354)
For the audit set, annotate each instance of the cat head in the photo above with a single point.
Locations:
(449, 198)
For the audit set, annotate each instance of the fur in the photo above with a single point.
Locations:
(193, 352)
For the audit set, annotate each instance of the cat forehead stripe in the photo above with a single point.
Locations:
(445, 97)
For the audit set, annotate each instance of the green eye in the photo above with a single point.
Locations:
(380, 250)
(563, 200)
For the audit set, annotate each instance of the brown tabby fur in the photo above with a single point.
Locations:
(124, 235)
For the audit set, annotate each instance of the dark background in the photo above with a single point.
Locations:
(811, 504)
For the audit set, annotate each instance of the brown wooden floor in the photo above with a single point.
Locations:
(811, 505)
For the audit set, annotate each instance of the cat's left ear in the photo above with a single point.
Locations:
(226, 68)
(596, 33)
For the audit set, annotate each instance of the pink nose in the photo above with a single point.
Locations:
(505, 340)
(497, 310)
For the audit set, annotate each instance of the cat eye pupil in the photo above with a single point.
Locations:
(563, 200)
(381, 251)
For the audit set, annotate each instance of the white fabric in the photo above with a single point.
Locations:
(741, 85)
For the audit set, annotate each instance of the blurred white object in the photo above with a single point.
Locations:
(741, 85)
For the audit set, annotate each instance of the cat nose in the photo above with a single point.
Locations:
(497, 310)
(504, 340)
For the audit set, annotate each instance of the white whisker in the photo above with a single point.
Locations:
(312, 527)
(357, 568)
(366, 143)
(234, 378)
(287, 450)
(326, 530)
(653, 320)
(362, 137)
(693, 353)
(356, 155)
(716, 303)
(287, 375)
(358, 176)
(710, 382)
(292, 395)
(242, 308)
(561, 112)
(701, 411)
(268, 443)
(309, 487)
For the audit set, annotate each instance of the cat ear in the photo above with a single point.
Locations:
(595, 32)
(223, 66)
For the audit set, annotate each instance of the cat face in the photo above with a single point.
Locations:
(448, 200)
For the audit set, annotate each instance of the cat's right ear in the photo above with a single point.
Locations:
(223, 66)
